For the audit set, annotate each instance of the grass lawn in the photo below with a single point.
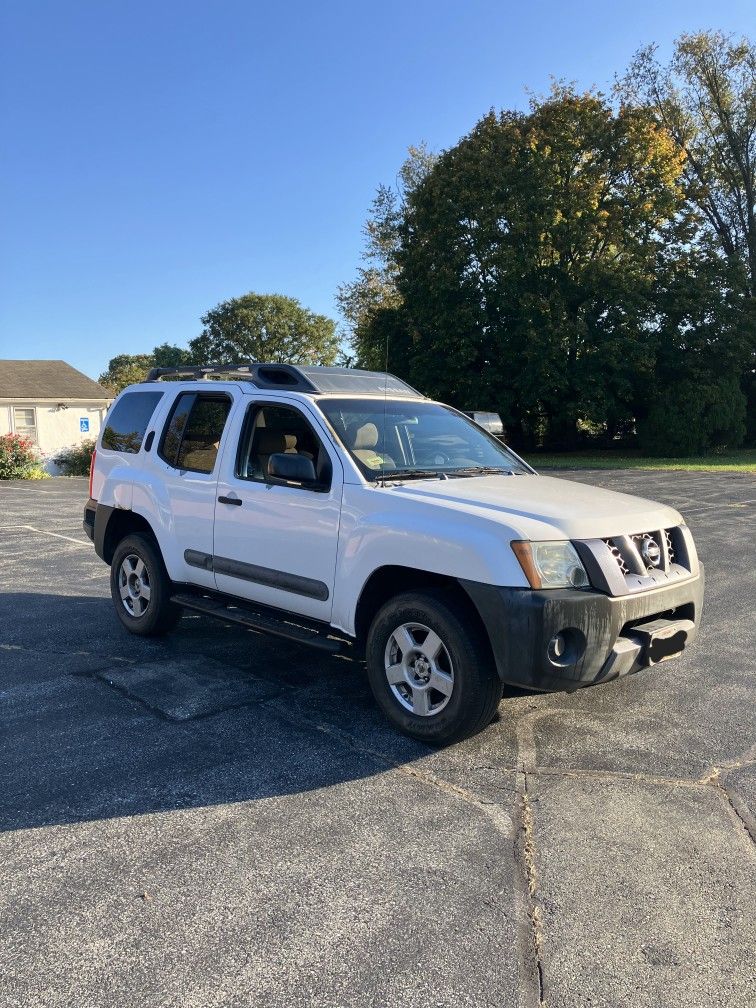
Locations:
(738, 461)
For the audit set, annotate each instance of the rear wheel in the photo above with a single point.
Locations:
(431, 675)
(141, 589)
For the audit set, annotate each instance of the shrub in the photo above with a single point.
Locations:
(19, 458)
(695, 417)
(75, 460)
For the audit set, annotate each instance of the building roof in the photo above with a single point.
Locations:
(46, 379)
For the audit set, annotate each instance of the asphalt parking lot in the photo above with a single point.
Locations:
(221, 819)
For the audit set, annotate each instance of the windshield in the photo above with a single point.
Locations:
(415, 439)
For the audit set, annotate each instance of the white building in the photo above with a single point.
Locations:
(50, 402)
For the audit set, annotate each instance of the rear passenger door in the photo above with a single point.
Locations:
(274, 543)
(188, 451)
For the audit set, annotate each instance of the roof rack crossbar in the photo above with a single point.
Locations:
(199, 372)
(289, 377)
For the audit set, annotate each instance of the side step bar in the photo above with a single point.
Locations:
(251, 619)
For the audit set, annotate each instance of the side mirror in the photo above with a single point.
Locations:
(291, 468)
(490, 422)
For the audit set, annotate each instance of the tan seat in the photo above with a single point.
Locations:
(364, 440)
(272, 442)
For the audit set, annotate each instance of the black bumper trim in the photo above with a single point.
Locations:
(101, 519)
(521, 622)
(90, 510)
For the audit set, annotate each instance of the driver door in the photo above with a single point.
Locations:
(276, 543)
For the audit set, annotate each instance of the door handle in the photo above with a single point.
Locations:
(230, 500)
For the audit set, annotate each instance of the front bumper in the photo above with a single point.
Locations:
(606, 636)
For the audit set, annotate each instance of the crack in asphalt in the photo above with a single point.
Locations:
(525, 843)
(526, 903)
(740, 810)
(527, 853)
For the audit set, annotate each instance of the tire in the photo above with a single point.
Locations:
(441, 697)
(141, 589)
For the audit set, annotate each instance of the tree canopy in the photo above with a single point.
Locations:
(265, 327)
(526, 262)
(563, 266)
(128, 369)
(705, 97)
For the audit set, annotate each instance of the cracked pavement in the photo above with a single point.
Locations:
(221, 819)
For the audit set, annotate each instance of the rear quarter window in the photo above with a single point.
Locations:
(127, 422)
(194, 430)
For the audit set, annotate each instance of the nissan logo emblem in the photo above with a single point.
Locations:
(651, 553)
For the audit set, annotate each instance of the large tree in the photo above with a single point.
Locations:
(125, 369)
(168, 355)
(265, 327)
(371, 303)
(528, 261)
(705, 97)
(128, 369)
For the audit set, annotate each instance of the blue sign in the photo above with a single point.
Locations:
(84, 425)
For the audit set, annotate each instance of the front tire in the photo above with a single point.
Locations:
(431, 674)
(141, 589)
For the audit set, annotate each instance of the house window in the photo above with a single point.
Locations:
(25, 422)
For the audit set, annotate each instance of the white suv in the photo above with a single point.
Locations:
(333, 506)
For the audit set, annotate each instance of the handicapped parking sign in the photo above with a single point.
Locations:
(84, 425)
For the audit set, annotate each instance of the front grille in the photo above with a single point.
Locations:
(643, 552)
(617, 556)
(670, 547)
(624, 564)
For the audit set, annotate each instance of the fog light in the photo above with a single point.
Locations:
(566, 648)
(557, 647)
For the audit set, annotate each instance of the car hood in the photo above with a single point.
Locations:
(543, 507)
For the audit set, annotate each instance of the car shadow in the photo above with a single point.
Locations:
(76, 748)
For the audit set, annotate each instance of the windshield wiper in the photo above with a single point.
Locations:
(481, 471)
(398, 474)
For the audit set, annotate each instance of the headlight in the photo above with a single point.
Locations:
(550, 564)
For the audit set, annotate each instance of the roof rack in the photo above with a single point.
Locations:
(261, 375)
(312, 380)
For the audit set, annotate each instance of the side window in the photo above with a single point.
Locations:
(127, 421)
(195, 427)
(270, 430)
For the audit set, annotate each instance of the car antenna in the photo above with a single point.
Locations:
(385, 408)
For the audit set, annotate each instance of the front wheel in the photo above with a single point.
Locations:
(432, 676)
(141, 589)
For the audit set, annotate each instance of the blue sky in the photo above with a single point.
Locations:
(161, 157)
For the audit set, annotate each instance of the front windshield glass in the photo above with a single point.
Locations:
(415, 439)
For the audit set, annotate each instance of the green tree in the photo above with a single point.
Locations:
(125, 369)
(168, 355)
(371, 304)
(692, 402)
(128, 369)
(705, 98)
(265, 327)
(528, 260)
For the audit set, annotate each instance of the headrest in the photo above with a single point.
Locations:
(366, 436)
(270, 442)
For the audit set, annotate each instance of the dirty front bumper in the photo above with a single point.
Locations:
(603, 637)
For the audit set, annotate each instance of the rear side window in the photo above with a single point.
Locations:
(195, 427)
(127, 422)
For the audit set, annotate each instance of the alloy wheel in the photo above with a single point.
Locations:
(419, 669)
(134, 585)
